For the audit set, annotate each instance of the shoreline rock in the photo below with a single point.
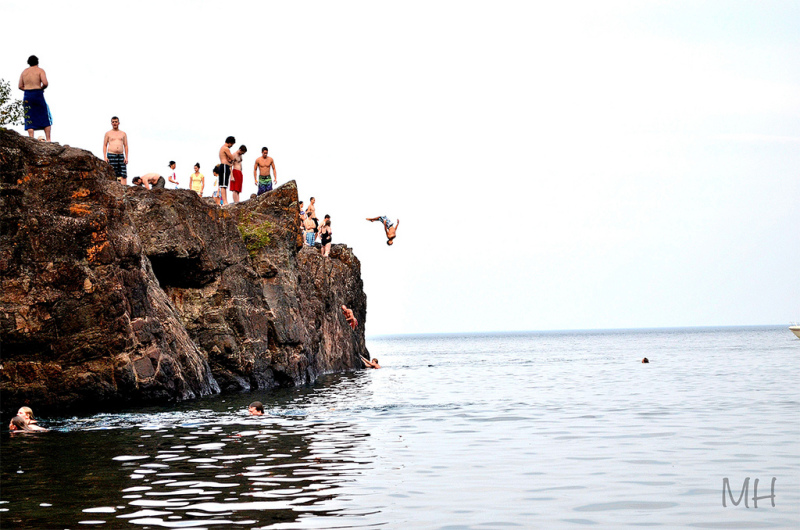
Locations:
(114, 296)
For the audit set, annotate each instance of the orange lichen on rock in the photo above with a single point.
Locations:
(81, 193)
(93, 251)
(79, 209)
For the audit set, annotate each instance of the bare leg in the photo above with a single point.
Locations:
(30, 133)
(223, 195)
(235, 196)
(47, 132)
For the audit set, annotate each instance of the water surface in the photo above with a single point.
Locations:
(547, 430)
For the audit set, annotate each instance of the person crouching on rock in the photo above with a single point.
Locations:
(150, 180)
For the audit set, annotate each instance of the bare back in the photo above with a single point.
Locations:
(33, 78)
(225, 156)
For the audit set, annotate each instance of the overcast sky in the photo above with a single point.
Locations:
(555, 165)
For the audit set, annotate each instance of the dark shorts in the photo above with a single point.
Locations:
(264, 188)
(224, 175)
(117, 161)
(160, 183)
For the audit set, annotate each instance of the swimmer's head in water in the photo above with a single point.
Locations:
(256, 408)
(17, 424)
(25, 413)
(375, 361)
(645, 360)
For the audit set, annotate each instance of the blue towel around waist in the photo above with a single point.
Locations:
(37, 113)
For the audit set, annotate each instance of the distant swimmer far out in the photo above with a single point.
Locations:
(256, 408)
(645, 361)
(388, 226)
(370, 364)
(116, 150)
(33, 82)
(263, 165)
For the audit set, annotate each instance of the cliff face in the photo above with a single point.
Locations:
(112, 295)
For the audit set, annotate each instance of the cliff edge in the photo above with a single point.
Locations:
(113, 296)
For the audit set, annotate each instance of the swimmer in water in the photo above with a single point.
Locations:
(372, 364)
(18, 424)
(26, 414)
(256, 408)
(644, 361)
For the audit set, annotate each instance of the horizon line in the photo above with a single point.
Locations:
(576, 330)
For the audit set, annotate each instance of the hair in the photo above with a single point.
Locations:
(135, 179)
(19, 423)
(327, 222)
(389, 241)
(327, 216)
(114, 118)
(256, 405)
(197, 165)
(376, 361)
(243, 148)
(28, 411)
(265, 149)
(33, 60)
(171, 162)
(300, 203)
(216, 169)
(230, 140)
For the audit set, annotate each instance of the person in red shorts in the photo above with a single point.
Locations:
(237, 179)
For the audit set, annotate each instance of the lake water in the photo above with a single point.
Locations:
(537, 430)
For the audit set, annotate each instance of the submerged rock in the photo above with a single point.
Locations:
(112, 295)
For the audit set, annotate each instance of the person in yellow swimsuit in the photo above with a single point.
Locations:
(197, 181)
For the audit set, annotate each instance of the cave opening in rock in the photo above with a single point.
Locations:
(172, 271)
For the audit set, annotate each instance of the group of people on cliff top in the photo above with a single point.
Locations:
(228, 173)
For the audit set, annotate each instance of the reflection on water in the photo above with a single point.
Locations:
(212, 467)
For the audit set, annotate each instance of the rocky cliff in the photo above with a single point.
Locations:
(115, 296)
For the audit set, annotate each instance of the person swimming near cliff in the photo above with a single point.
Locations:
(388, 226)
(256, 408)
(645, 361)
(18, 424)
(26, 413)
(371, 364)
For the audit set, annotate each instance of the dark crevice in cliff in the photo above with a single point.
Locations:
(173, 271)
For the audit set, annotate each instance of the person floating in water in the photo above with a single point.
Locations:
(33, 82)
(256, 408)
(388, 226)
(350, 317)
(645, 360)
(372, 364)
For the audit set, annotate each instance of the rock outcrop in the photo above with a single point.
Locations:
(112, 295)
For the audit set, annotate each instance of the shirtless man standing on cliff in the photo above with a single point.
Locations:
(237, 178)
(115, 150)
(225, 169)
(37, 114)
(263, 165)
